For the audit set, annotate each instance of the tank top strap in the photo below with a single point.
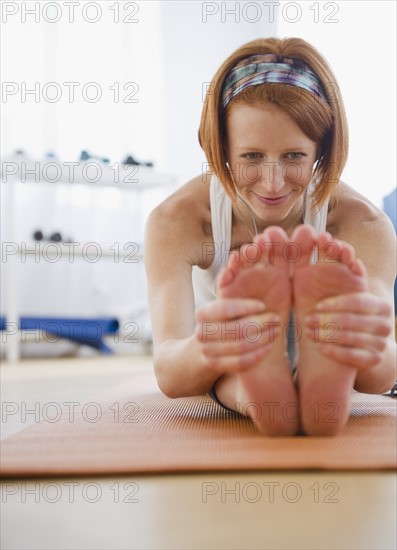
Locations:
(315, 217)
(221, 220)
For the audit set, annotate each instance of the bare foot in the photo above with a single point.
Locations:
(265, 392)
(325, 385)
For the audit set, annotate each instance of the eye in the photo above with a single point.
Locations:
(295, 156)
(252, 156)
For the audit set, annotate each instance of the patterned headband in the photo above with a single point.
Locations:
(270, 68)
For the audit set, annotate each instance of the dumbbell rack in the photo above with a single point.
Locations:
(148, 179)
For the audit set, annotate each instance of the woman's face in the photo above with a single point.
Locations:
(271, 159)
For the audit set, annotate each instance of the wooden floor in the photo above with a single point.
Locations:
(266, 510)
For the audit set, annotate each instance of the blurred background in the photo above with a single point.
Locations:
(101, 103)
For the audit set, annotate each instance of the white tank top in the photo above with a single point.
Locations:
(221, 219)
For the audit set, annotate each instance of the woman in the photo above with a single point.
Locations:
(270, 281)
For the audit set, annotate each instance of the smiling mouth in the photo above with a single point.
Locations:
(273, 200)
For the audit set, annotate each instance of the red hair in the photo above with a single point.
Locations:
(323, 123)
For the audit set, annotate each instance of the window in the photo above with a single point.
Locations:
(83, 78)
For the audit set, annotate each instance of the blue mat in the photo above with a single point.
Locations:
(89, 332)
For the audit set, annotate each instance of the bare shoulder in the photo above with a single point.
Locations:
(354, 216)
(356, 220)
(182, 221)
(193, 193)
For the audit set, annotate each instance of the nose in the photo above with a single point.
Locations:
(272, 177)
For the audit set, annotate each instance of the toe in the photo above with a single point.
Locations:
(225, 277)
(235, 262)
(304, 237)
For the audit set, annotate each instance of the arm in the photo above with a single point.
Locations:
(171, 305)
(366, 319)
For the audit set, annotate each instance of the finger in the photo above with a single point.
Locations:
(350, 339)
(356, 302)
(237, 347)
(229, 308)
(354, 357)
(339, 322)
(236, 363)
(247, 328)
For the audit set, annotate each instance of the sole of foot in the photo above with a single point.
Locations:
(266, 392)
(324, 385)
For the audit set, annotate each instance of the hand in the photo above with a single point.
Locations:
(352, 328)
(234, 333)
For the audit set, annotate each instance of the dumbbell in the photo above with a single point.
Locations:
(133, 162)
(84, 155)
(55, 237)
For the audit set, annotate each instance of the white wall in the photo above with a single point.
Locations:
(195, 43)
(359, 41)
(126, 118)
